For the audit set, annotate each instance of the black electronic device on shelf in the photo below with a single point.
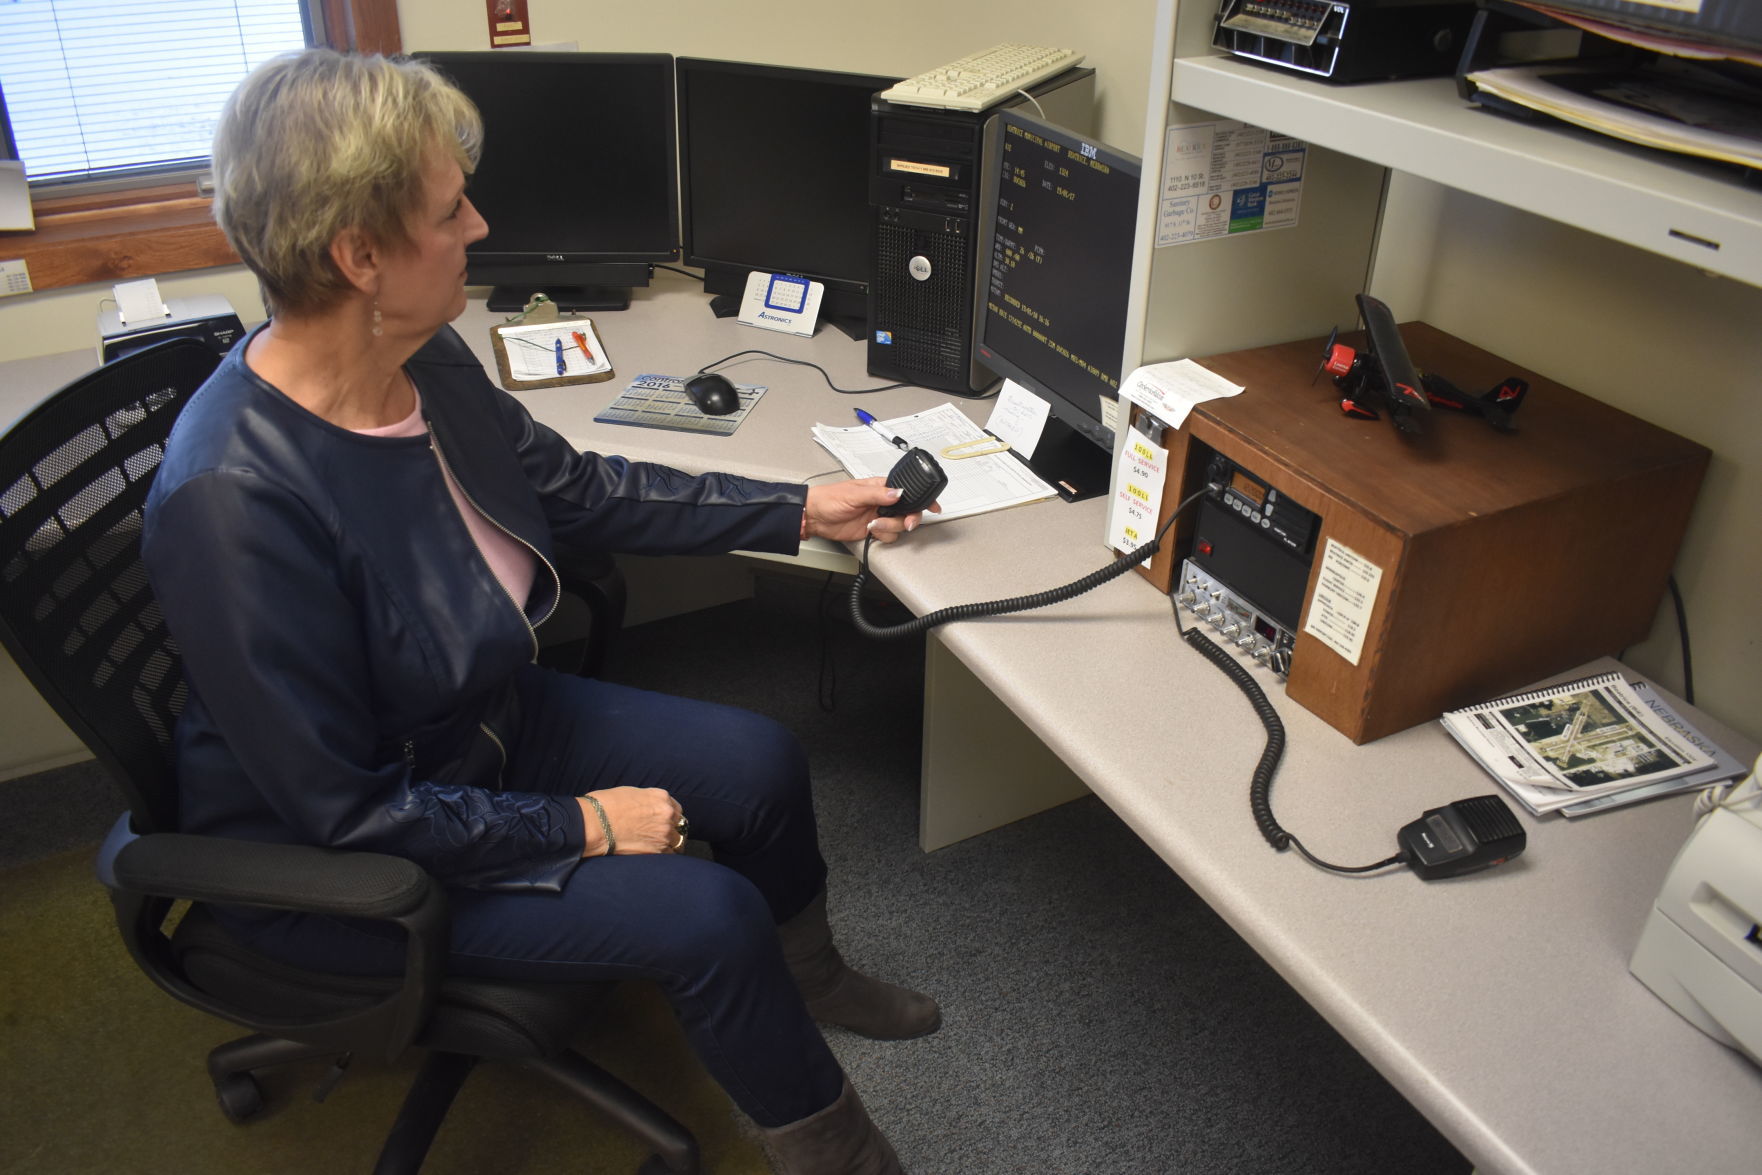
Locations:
(1346, 40)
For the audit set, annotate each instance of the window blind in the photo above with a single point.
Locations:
(96, 88)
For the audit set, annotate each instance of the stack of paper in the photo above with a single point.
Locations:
(976, 484)
(1693, 113)
(1589, 745)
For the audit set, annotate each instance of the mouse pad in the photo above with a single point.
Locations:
(659, 401)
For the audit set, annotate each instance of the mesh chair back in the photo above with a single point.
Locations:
(76, 611)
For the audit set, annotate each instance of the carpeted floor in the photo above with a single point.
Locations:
(1099, 1018)
(103, 1073)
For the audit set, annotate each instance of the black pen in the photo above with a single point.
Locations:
(870, 421)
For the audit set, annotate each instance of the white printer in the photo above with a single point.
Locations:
(141, 318)
(1701, 949)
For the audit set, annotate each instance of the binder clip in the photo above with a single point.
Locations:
(539, 309)
(976, 448)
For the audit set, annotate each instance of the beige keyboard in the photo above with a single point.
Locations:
(983, 79)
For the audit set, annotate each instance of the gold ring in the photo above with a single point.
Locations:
(684, 827)
(680, 844)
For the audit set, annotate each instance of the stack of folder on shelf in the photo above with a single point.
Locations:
(1589, 745)
(1665, 90)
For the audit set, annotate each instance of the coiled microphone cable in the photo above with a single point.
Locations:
(1057, 595)
(1260, 800)
(1261, 783)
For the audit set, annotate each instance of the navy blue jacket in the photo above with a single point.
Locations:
(349, 652)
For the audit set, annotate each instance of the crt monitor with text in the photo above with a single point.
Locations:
(1057, 221)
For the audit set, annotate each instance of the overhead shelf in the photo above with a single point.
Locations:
(1693, 211)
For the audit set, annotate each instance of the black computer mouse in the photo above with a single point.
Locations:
(713, 394)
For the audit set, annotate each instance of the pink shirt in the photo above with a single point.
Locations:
(512, 561)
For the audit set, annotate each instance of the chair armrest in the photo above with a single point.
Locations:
(142, 872)
(250, 873)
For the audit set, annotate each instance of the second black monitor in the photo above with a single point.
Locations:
(775, 164)
(1055, 257)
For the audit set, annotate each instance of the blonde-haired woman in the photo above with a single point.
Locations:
(350, 538)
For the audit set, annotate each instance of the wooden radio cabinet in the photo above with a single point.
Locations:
(1504, 557)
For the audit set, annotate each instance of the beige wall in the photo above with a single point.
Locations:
(902, 38)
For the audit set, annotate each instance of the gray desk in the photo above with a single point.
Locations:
(1499, 1005)
(669, 330)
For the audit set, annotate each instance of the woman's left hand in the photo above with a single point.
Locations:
(845, 511)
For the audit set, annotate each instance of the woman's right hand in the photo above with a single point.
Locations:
(643, 820)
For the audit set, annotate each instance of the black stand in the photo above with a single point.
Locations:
(1074, 465)
(511, 299)
(854, 328)
(728, 305)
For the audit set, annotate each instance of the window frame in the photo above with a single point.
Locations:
(157, 227)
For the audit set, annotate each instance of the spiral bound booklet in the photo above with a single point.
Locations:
(1725, 768)
(1555, 747)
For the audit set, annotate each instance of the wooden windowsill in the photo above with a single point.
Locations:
(143, 233)
(151, 231)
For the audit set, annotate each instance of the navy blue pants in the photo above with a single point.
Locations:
(704, 931)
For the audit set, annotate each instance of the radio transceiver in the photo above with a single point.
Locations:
(1249, 563)
(1346, 40)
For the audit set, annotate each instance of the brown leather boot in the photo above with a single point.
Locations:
(838, 995)
(839, 1140)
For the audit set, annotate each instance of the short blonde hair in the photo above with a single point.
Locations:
(317, 142)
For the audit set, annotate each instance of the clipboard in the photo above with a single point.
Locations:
(522, 373)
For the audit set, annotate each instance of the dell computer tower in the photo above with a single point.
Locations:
(924, 184)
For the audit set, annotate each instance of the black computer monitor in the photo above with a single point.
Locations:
(774, 165)
(1057, 220)
(578, 180)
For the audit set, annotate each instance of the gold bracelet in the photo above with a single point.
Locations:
(605, 826)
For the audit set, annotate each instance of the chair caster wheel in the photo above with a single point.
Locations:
(240, 1097)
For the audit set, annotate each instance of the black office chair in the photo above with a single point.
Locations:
(577, 636)
(77, 615)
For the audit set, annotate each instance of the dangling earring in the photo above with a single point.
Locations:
(378, 330)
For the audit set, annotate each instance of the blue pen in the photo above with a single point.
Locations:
(870, 421)
(560, 367)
